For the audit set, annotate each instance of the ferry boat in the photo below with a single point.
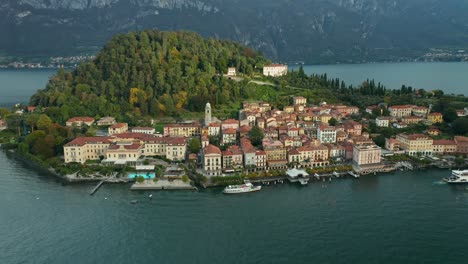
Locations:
(243, 188)
(458, 176)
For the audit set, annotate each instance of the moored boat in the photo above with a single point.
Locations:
(243, 188)
(458, 176)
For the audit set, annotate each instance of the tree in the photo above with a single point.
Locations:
(14, 122)
(332, 121)
(460, 126)
(44, 122)
(256, 136)
(140, 179)
(31, 121)
(194, 145)
(185, 178)
(3, 112)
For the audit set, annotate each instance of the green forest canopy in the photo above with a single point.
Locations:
(151, 73)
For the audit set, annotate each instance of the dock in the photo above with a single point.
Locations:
(355, 175)
(162, 185)
(96, 188)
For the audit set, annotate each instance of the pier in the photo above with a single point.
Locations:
(404, 165)
(96, 188)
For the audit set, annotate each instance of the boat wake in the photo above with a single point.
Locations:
(439, 183)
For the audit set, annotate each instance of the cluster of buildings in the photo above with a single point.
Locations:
(403, 115)
(125, 148)
(422, 144)
(297, 136)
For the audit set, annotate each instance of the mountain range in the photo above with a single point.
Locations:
(311, 31)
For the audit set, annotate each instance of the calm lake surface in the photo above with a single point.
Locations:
(405, 217)
(451, 77)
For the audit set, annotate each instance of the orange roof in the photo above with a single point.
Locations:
(229, 131)
(119, 125)
(230, 121)
(81, 141)
(211, 149)
(294, 152)
(444, 142)
(134, 145)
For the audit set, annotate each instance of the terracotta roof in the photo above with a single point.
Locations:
(461, 139)
(245, 128)
(444, 142)
(133, 146)
(81, 141)
(294, 152)
(229, 131)
(230, 121)
(176, 141)
(211, 149)
(260, 153)
(435, 114)
(119, 125)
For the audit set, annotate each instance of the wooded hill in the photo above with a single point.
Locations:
(151, 73)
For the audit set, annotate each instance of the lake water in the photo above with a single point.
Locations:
(451, 77)
(406, 217)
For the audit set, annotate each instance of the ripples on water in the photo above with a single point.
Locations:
(395, 218)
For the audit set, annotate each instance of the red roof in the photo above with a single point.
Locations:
(81, 141)
(294, 152)
(119, 125)
(230, 121)
(176, 141)
(211, 149)
(444, 142)
(229, 131)
(260, 153)
(132, 146)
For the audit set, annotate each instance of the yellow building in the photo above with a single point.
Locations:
(435, 117)
(415, 144)
(400, 110)
(118, 128)
(299, 100)
(121, 153)
(85, 148)
(182, 130)
(444, 146)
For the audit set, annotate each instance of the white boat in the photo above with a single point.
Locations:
(336, 174)
(355, 175)
(458, 176)
(243, 188)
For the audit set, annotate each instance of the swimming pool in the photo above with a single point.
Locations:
(147, 175)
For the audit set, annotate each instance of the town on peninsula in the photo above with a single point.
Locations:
(175, 111)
